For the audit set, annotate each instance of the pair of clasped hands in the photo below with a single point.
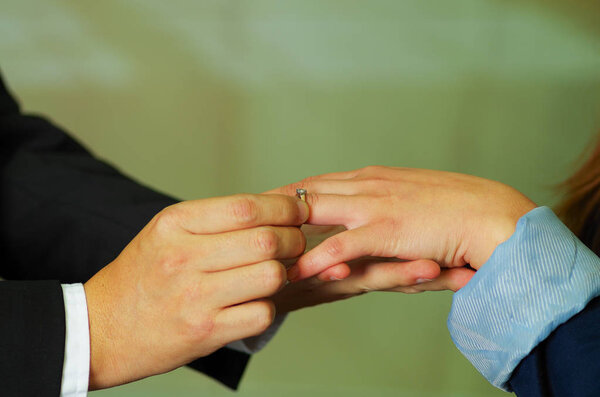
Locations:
(205, 273)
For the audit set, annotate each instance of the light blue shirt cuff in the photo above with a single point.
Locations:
(533, 282)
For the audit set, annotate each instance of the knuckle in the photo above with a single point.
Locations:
(453, 284)
(274, 276)
(166, 219)
(203, 290)
(190, 292)
(199, 328)
(173, 260)
(265, 314)
(372, 170)
(334, 246)
(266, 241)
(288, 211)
(244, 209)
(299, 242)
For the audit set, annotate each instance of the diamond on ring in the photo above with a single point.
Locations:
(301, 194)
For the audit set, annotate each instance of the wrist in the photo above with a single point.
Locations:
(533, 282)
(496, 230)
(98, 317)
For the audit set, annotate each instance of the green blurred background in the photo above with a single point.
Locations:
(204, 98)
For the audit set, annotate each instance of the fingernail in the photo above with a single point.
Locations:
(292, 273)
(332, 278)
(304, 210)
(423, 280)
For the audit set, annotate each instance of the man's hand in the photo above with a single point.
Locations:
(410, 214)
(193, 280)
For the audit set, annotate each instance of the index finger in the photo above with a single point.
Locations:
(241, 211)
(341, 248)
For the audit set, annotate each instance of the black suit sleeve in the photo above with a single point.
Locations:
(64, 215)
(32, 338)
(567, 363)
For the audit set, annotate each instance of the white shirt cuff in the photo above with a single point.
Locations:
(255, 343)
(76, 367)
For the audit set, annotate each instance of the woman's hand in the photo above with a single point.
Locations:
(409, 214)
(367, 274)
(193, 280)
(371, 274)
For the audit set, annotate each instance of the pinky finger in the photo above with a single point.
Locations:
(244, 320)
(449, 279)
